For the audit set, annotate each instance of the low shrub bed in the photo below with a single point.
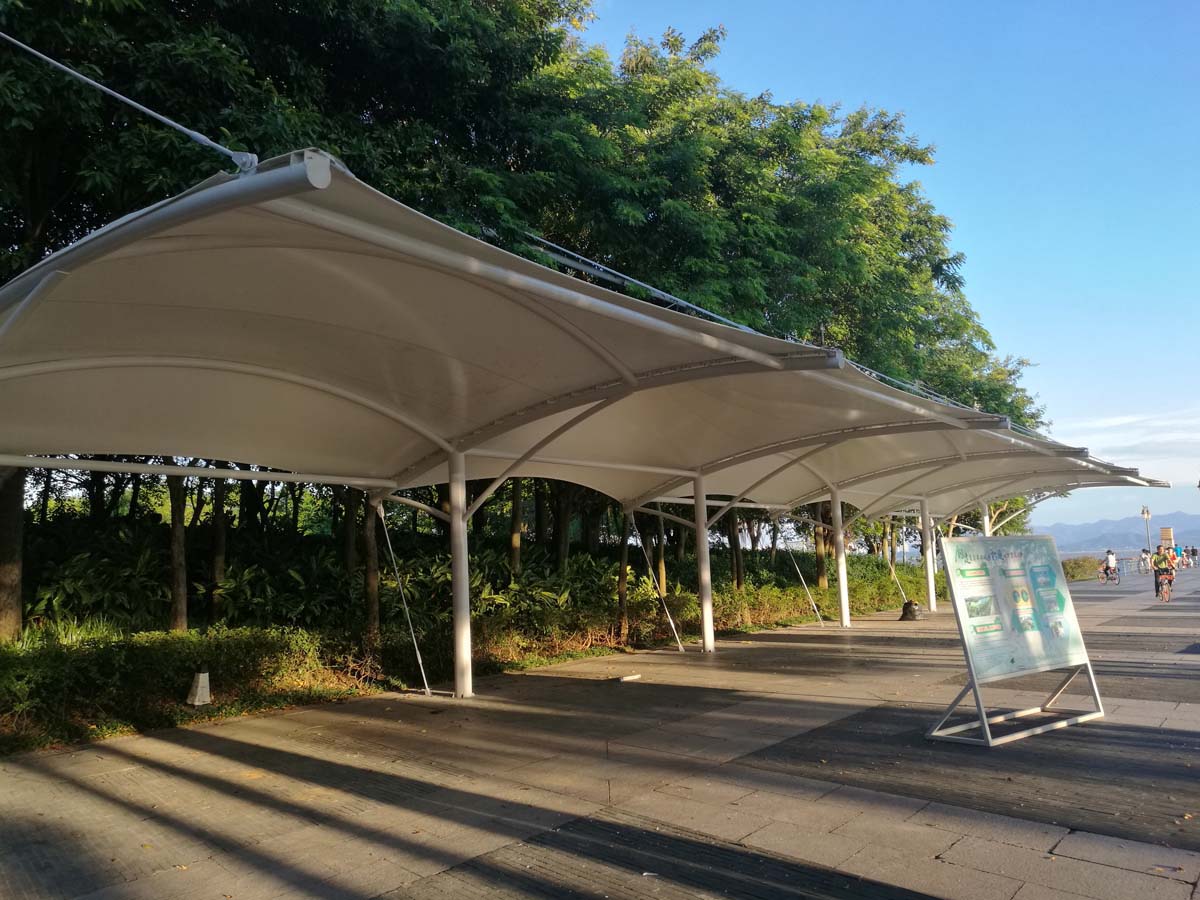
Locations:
(66, 682)
(71, 683)
(1080, 568)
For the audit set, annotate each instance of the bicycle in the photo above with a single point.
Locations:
(1143, 567)
(1106, 575)
(1165, 581)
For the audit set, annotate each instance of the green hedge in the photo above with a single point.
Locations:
(68, 682)
(1080, 568)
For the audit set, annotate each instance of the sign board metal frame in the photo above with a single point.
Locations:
(985, 719)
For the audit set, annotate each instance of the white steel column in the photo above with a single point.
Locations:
(703, 572)
(930, 548)
(985, 516)
(460, 576)
(839, 551)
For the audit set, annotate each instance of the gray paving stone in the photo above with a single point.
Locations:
(1038, 892)
(1005, 829)
(1151, 859)
(922, 840)
(722, 821)
(798, 843)
(934, 877)
(813, 816)
(775, 782)
(877, 804)
(1063, 873)
(371, 880)
(707, 788)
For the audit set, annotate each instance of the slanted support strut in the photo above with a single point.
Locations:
(703, 570)
(839, 551)
(930, 549)
(460, 576)
(985, 517)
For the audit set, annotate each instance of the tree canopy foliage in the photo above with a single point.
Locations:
(499, 118)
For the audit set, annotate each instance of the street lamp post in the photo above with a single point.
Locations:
(1146, 518)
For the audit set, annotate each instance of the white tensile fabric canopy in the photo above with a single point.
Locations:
(295, 318)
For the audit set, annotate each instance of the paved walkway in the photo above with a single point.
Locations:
(789, 764)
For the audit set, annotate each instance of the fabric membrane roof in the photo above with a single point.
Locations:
(295, 318)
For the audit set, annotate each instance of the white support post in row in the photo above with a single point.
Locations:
(839, 551)
(930, 548)
(703, 570)
(985, 516)
(460, 576)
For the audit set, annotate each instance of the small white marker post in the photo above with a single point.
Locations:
(199, 694)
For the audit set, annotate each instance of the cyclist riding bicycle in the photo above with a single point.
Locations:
(1110, 564)
(1163, 567)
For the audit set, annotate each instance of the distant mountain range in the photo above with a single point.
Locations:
(1123, 534)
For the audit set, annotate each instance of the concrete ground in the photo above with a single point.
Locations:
(791, 763)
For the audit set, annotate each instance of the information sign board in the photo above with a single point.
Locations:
(1015, 617)
(1013, 604)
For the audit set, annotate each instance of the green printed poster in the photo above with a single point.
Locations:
(1013, 605)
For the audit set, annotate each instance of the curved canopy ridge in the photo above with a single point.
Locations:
(333, 330)
(296, 319)
(776, 439)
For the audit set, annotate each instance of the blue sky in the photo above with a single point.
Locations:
(1067, 139)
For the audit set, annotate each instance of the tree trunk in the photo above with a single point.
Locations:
(350, 530)
(199, 503)
(272, 489)
(135, 495)
(295, 494)
(443, 503)
(12, 525)
(371, 582)
(735, 549)
(593, 514)
(562, 524)
(250, 505)
(680, 541)
(337, 492)
(475, 488)
(47, 485)
(539, 512)
(113, 503)
(820, 548)
(95, 494)
(774, 540)
(179, 583)
(891, 542)
(220, 486)
(514, 529)
(623, 584)
(661, 554)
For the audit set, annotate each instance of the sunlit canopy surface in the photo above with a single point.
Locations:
(297, 319)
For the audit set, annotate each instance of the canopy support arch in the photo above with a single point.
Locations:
(839, 552)
(1019, 512)
(460, 576)
(703, 567)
